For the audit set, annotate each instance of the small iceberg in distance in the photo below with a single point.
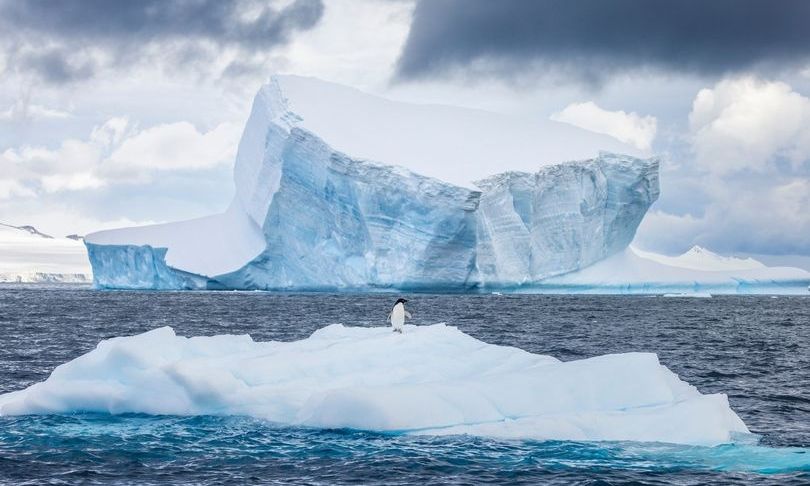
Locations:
(696, 273)
(694, 295)
(429, 380)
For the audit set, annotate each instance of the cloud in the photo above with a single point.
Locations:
(177, 146)
(772, 219)
(22, 110)
(251, 23)
(61, 221)
(590, 38)
(10, 188)
(743, 184)
(746, 123)
(626, 127)
(55, 65)
(115, 153)
(76, 181)
(63, 42)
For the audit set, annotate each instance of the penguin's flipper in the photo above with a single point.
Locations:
(408, 315)
(388, 319)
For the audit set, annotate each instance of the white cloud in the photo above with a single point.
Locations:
(177, 146)
(630, 127)
(115, 152)
(24, 111)
(768, 219)
(669, 233)
(356, 42)
(746, 123)
(110, 132)
(60, 221)
(10, 188)
(71, 182)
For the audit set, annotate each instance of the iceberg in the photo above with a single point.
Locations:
(560, 219)
(702, 259)
(429, 380)
(306, 216)
(698, 272)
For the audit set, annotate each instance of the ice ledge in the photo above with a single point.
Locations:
(429, 380)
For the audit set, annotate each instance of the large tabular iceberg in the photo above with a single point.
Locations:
(306, 216)
(429, 380)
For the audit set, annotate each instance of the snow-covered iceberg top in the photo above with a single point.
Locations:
(306, 216)
(429, 380)
(703, 259)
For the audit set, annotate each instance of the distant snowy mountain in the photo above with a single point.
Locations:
(30, 256)
(31, 230)
(698, 271)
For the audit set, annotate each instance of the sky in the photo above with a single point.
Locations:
(121, 113)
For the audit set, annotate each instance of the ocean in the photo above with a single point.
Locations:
(756, 349)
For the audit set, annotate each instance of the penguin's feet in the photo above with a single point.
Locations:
(398, 330)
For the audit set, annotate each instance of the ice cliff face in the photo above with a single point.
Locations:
(306, 216)
(562, 218)
(334, 222)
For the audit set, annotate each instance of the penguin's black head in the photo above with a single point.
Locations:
(400, 301)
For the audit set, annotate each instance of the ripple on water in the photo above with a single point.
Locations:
(733, 345)
(97, 448)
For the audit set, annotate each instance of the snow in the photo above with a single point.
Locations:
(26, 255)
(698, 271)
(699, 258)
(454, 144)
(205, 246)
(308, 217)
(428, 380)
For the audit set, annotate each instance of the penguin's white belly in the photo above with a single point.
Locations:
(398, 316)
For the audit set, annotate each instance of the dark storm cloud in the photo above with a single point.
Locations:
(147, 20)
(32, 28)
(589, 37)
(56, 66)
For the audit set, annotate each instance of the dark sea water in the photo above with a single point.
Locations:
(755, 349)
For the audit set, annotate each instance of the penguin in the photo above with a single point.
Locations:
(398, 314)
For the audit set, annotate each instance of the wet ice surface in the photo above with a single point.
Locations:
(755, 349)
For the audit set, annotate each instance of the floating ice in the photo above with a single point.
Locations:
(429, 380)
(696, 273)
